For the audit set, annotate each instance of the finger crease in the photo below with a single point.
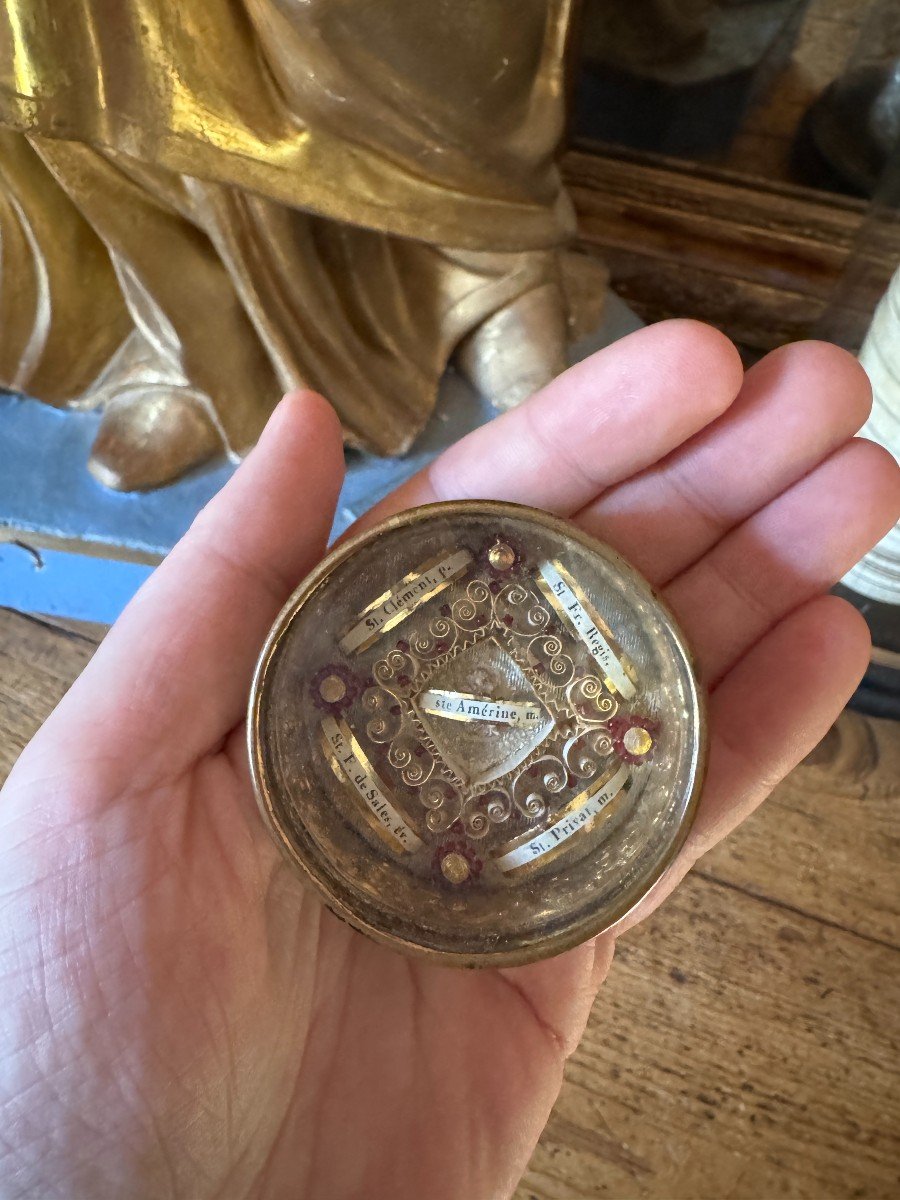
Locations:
(259, 574)
(569, 460)
(693, 498)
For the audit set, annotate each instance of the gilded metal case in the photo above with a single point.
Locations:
(478, 733)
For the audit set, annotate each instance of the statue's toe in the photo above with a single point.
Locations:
(519, 349)
(150, 437)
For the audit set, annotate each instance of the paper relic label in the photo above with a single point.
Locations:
(587, 806)
(574, 607)
(350, 762)
(462, 706)
(396, 604)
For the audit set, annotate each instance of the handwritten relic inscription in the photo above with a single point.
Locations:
(570, 602)
(399, 601)
(347, 756)
(462, 706)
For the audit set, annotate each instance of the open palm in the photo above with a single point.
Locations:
(179, 1017)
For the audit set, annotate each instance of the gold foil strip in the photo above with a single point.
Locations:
(348, 760)
(395, 605)
(463, 706)
(574, 607)
(578, 815)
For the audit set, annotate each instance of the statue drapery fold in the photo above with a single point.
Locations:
(279, 193)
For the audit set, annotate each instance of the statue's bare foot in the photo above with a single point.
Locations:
(519, 349)
(150, 436)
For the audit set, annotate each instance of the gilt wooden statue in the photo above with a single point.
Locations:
(204, 203)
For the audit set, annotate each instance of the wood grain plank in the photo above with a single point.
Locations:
(38, 664)
(737, 1050)
(761, 260)
(829, 841)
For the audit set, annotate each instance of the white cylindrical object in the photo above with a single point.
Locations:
(878, 574)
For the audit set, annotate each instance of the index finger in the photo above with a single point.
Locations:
(601, 421)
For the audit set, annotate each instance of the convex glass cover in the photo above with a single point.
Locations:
(478, 733)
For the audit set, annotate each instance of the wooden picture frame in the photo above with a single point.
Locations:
(759, 259)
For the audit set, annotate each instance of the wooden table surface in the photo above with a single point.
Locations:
(745, 1044)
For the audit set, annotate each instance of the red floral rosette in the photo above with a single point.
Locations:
(352, 688)
(620, 726)
(500, 573)
(455, 846)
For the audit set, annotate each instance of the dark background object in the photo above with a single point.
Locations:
(677, 76)
(879, 693)
(848, 136)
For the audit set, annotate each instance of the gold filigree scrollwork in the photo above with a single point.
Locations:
(533, 787)
(584, 754)
(522, 625)
(438, 640)
(518, 610)
(590, 700)
(497, 803)
(385, 717)
(411, 759)
(443, 802)
(472, 611)
(547, 653)
(476, 823)
(491, 807)
(397, 673)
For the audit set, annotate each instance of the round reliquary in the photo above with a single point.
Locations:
(478, 733)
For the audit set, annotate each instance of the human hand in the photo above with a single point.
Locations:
(180, 1017)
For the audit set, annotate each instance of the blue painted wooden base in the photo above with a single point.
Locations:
(70, 547)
